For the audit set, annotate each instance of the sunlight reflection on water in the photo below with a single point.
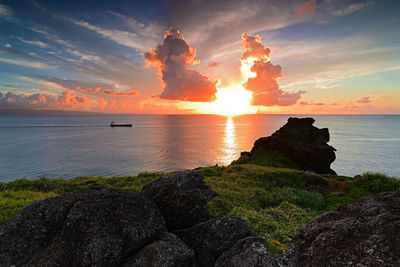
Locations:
(229, 149)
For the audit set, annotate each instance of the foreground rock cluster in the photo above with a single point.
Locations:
(365, 233)
(167, 225)
(302, 144)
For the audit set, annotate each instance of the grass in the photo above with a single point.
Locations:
(276, 202)
(267, 159)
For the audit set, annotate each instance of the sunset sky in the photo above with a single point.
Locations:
(226, 57)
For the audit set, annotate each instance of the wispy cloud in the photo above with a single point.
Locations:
(25, 63)
(141, 37)
(6, 13)
(365, 100)
(33, 42)
(87, 57)
(90, 88)
(351, 8)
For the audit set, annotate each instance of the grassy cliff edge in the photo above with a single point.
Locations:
(276, 202)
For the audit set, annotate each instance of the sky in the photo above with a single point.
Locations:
(227, 57)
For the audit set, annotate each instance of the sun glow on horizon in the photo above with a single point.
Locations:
(235, 100)
(231, 101)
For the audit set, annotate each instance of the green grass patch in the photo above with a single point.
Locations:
(267, 159)
(12, 202)
(370, 183)
(276, 202)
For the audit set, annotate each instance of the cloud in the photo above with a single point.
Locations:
(15, 86)
(365, 100)
(349, 9)
(6, 13)
(126, 93)
(140, 36)
(66, 100)
(173, 58)
(307, 8)
(90, 88)
(264, 85)
(311, 103)
(37, 43)
(87, 57)
(214, 26)
(213, 64)
(25, 63)
(254, 48)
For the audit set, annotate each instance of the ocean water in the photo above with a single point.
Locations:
(56, 146)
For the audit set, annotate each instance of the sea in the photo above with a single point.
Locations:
(66, 146)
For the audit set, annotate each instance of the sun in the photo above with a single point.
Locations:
(231, 101)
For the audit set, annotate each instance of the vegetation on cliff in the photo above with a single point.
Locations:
(276, 202)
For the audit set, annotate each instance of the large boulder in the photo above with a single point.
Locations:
(252, 252)
(96, 226)
(365, 233)
(210, 239)
(181, 198)
(297, 144)
(168, 251)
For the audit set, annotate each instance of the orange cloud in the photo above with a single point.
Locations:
(264, 85)
(172, 58)
(254, 48)
(306, 103)
(68, 99)
(105, 91)
(116, 93)
(213, 64)
(365, 100)
(307, 9)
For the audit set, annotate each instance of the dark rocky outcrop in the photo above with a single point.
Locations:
(181, 198)
(91, 227)
(168, 251)
(365, 233)
(252, 252)
(298, 144)
(99, 226)
(210, 239)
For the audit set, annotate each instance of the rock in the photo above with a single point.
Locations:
(168, 251)
(300, 144)
(252, 252)
(365, 233)
(181, 198)
(96, 226)
(210, 239)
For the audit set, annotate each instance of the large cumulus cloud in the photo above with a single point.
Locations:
(173, 58)
(265, 88)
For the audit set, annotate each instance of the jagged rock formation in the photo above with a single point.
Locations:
(365, 233)
(298, 144)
